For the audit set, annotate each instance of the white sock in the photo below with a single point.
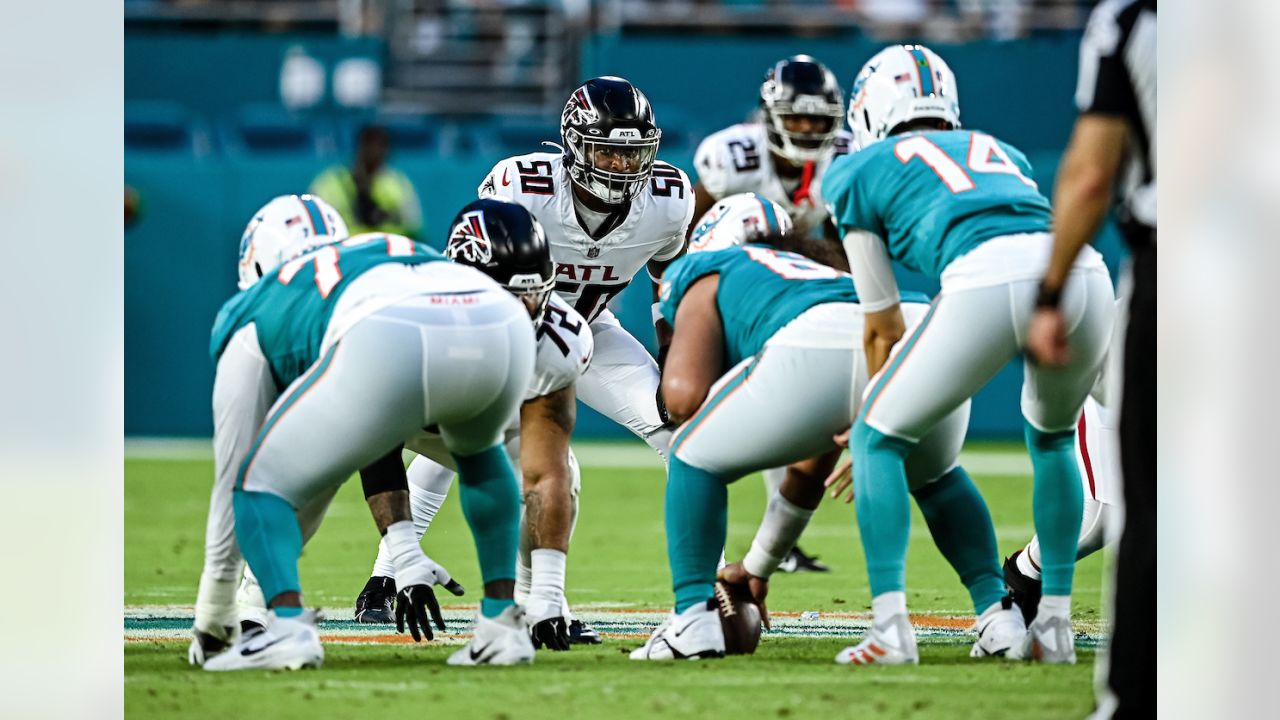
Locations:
(546, 594)
(215, 604)
(524, 580)
(407, 559)
(1055, 606)
(886, 605)
(773, 478)
(1029, 559)
(783, 523)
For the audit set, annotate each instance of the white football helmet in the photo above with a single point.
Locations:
(284, 228)
(900, 84)
(737, 220)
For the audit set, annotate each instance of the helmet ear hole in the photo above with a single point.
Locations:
(257, 267)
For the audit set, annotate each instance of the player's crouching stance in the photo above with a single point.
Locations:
(376, 337)
(609, 209)
(505, 242)
(781, 323)
(961, 207)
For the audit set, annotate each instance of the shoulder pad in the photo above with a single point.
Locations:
(565, 347)
(521, 175)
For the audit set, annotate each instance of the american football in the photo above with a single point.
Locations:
(739, 619)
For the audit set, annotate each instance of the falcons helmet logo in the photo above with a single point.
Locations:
(579, 110)
(469, 240)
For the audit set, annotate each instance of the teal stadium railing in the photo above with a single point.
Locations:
(207, 142)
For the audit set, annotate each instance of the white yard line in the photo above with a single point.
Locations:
(591, 453)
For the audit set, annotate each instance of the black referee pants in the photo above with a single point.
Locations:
(1133, 639)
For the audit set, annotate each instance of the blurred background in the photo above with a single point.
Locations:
(231, 102)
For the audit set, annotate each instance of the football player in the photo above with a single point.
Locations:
(774, 328)
(609, 208)
(782, 156)
(785, 152)
(505, 242)
(357, 345)
(284, 226)
(961, 207)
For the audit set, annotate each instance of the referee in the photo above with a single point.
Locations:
(1112, 140)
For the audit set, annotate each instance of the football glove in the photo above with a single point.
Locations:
(552, 633)
(416, 603)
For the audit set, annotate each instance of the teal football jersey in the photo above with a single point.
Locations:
(761, 290)
(934, 196)
(291, 305)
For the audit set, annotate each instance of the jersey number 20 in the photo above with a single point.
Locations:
(985, 156)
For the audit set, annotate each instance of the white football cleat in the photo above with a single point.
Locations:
(1050, 639)
(891, 643)
(1001, 630)
(502, 640)
(287, 643)
(694, 634)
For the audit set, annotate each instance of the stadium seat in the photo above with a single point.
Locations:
(163, 126)
(410, 134)
(271, 129)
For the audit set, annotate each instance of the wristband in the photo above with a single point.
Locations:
(1047, 297)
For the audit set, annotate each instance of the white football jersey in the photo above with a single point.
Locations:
(591, 272)
(737, 160)
(565, 347)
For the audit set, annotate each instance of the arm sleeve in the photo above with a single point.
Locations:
(872, 271)
(243, 391)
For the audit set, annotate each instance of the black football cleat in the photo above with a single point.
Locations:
(376, 604)
(581, 633)
(1024, 590)
(797, 561)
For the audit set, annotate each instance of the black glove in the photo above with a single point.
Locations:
(414, 602)
(552, 633)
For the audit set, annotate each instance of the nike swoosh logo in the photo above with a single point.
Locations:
(475, 654)
(254, 651)
(505, 181)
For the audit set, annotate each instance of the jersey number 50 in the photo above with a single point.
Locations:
(985, 156)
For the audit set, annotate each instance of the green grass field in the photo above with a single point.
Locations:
(617, 563)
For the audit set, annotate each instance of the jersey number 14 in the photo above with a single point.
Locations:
(985, 156)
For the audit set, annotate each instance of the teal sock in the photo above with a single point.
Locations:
(883, 505)
(961, 527)
(287, 611)
(493, 607)
(271, 542)
(697, 509)
(1057, 505)
(490, 498)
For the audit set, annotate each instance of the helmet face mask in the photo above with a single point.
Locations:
(901, 84)
(610, 139)
(802, 107)
(504, 241)
(283, 229)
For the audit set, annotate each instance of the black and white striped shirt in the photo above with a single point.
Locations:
(1118, 77)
